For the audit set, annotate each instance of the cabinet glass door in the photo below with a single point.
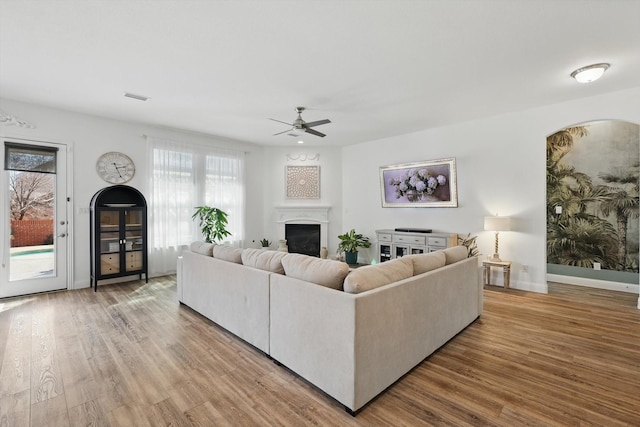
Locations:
(109, 237)
(133, 239)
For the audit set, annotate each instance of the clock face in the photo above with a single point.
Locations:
(115, 168)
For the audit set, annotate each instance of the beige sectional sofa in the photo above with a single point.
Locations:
(353, 334)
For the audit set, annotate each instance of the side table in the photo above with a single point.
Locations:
(486, 271)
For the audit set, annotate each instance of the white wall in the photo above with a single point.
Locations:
(500, 160)
(501, 164)
(90, 136)
(329, 159)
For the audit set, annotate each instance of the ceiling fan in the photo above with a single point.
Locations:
(299, 126)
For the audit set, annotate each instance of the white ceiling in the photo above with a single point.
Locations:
(375, 68)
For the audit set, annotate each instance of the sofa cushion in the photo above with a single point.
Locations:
(325, 272)
(455, 254)
(202, 248)
(264, 259)
(427, 262)
(228, 253)
(374, 276)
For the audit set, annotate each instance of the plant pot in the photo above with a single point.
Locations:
(351, 257)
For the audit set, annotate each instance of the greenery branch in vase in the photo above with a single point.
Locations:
(349, 244)
(213, 223)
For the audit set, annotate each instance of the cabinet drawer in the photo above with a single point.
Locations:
(384, 237)
(133, 261)
(110, 264)
(414, 240)
(438, 241)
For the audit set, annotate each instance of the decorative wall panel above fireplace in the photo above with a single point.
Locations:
(302, 182)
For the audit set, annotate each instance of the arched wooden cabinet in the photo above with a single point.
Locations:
(118, 234)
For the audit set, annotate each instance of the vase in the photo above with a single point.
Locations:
(351, 257)
(413, 195)
(324, 253)
(282, 245)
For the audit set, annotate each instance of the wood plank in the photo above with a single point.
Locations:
(131, 355)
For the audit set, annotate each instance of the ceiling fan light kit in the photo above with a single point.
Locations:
(299, 126)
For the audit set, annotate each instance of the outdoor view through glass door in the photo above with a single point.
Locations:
(34, 254)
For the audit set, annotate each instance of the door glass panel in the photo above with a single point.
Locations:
(133, 240)
(32, 216)
(109, 231)
(33, 208)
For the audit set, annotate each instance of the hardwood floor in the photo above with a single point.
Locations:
(130, 355)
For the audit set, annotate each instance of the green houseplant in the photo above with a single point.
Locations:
(213, 223)
(265, 243)
(349, 244)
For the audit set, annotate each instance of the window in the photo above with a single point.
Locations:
(185, 176)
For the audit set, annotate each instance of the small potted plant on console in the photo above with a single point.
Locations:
(349, 244)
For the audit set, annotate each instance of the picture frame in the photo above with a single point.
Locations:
(302, 182)
(426, 184)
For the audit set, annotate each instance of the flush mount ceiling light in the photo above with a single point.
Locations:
(590, 73)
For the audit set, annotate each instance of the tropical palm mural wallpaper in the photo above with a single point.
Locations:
(592, 196)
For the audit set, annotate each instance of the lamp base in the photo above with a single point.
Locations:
(495, 258)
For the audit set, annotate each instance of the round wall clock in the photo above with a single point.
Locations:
(115, 168)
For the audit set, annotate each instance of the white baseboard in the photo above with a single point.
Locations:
(592, 283)
(540, 288)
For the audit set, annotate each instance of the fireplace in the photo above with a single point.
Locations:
(316, 216)
(303, 238)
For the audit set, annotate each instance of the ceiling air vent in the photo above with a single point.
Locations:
(134, 96)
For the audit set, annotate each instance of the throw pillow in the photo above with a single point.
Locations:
(228, 253)
(324, 272)
(373, 276)
(202, 248)
(264, 259)
(455, 254)
(427, 262)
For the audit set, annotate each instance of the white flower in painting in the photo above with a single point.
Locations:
(442, 180)
(414, 181)
(423, 173)
(421, 186)
(403, 186)
(432, 183)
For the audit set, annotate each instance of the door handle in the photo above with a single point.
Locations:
(62, 235)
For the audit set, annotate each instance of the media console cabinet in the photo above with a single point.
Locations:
(395, 244)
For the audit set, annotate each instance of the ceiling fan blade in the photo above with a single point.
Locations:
(317, 123)
(280, 121)
(280, 133)
(316, 133)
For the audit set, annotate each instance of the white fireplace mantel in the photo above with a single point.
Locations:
(303, 215)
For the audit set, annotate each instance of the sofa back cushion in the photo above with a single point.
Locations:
(264, 259)
(228, 253)
(455, 254)
(423, 263)
(325, 272)
(202, 248)
(373, 276)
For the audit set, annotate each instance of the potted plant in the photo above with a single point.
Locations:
(265, 243)
(349, 244)
(213, 223)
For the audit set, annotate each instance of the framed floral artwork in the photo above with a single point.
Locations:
(302, 182)
(427, 184)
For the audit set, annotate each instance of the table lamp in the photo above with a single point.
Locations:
(497, 224)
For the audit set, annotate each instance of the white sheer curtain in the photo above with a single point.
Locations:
(183, 176)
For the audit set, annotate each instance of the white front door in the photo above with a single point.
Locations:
(34, 217)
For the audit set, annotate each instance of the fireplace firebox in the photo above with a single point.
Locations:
(303, 238)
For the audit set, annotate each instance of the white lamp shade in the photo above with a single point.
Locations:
(497, 223)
